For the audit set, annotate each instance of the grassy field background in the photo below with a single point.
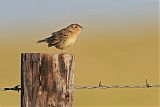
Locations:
(118, 46)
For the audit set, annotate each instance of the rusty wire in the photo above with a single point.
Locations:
(100, 86)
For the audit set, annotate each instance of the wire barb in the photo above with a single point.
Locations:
(99, 84)
(147, 85)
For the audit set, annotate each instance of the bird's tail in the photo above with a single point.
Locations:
(44, 40)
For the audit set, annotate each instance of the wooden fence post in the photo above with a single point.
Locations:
(47, 80)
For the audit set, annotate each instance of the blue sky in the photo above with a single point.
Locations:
(18, 10)
(17, 15)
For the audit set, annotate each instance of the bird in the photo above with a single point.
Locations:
(63, 38)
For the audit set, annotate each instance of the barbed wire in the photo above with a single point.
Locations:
(99, 86)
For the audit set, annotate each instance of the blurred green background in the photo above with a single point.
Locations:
(119, 45)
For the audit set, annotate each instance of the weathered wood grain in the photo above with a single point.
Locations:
(47, 80)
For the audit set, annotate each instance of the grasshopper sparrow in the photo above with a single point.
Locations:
(64, 37)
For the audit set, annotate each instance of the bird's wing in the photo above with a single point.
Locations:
(57, 36)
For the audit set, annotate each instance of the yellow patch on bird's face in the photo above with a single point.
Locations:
(75, 32)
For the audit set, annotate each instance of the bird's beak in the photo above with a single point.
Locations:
(81, 27)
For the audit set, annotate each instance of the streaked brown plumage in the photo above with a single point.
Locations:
(64, 37)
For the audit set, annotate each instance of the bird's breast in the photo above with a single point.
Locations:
(70, 41)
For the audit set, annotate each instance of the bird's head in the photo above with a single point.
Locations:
(74, 28)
